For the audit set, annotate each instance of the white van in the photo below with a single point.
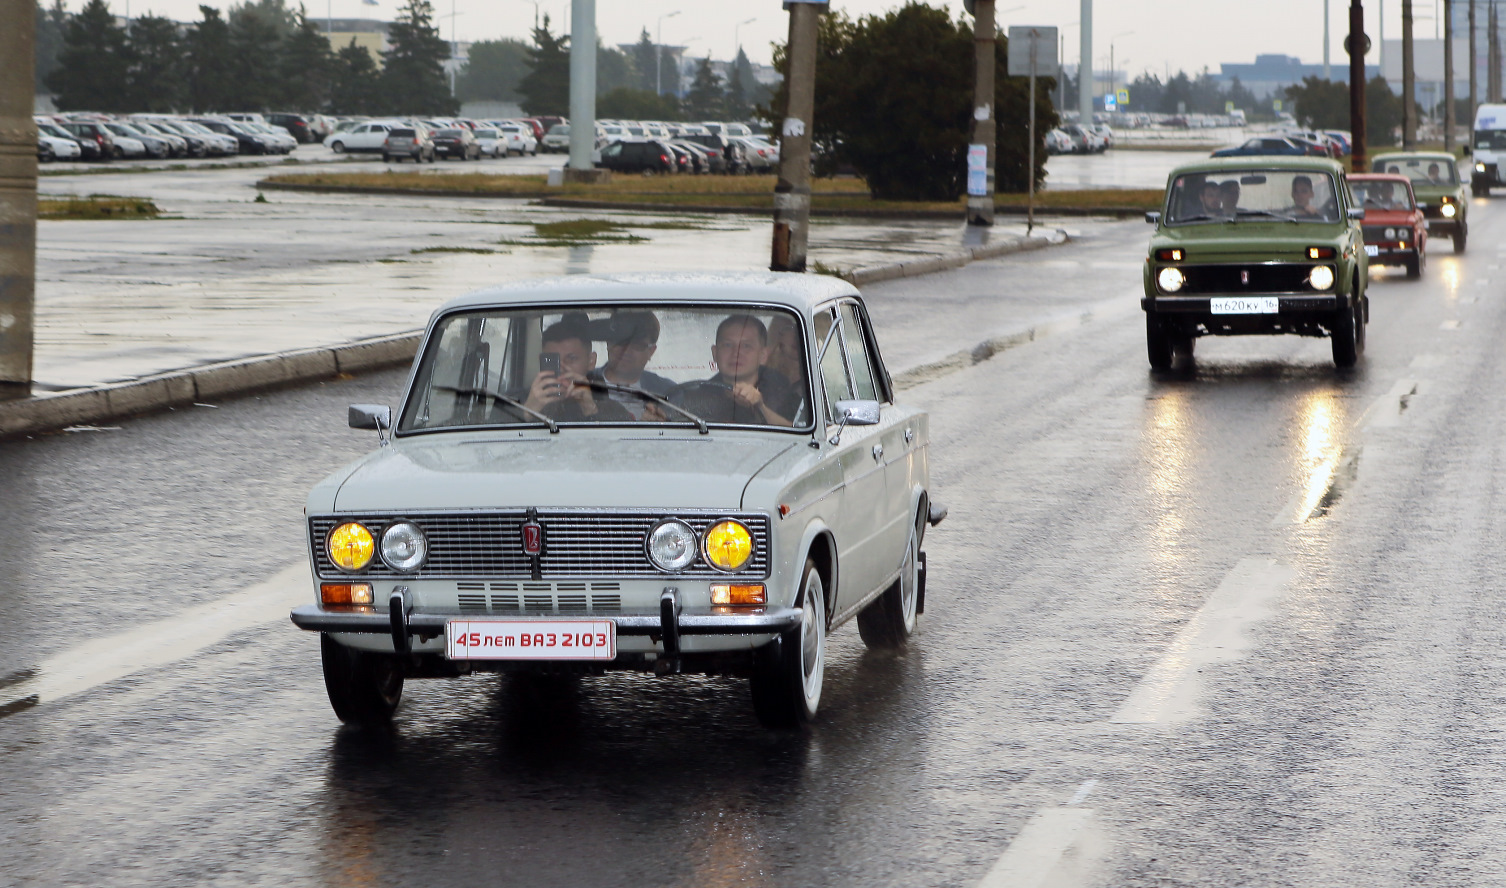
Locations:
(1488, 148)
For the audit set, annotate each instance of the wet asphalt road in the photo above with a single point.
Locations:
(1239, 624)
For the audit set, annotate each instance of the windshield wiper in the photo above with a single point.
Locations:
(700, 424)
(1280, 216)
(554, 428)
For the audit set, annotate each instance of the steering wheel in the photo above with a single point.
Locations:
(707, 398)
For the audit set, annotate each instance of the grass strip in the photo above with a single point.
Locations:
(96, 207)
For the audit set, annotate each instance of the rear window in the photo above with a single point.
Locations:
(401, 133)
(448, 134)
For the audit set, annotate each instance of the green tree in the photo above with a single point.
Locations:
(546, 87)
(413, 79)
(493, 73)
(50, 24)
(155, 79)
(645, 59)
(739, 88)
(706, 100)
(355, 82)
(626, 103)
(307, 67)
(206, 50)
(93, 63)
(613, 68)
(258, 34)
(1319, 103)
(1383, 114)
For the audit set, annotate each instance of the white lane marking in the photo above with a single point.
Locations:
(106, 659)
(1449, 325)
(1039, 848)
(1083, 791)
(1386, 410)
(1169, 691)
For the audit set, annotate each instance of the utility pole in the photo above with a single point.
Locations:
(1474, 64)
(1408, 81)
(1326, 74)
(792, 193)
(1448, 76)
(1355, 45)
(18, 197)
(980, 201)
(582, 91)
(1493, 55)
(1085, 65)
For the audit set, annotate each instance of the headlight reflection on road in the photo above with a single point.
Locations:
(1321, 416)
(1167, 440)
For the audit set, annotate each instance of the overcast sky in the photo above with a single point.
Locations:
(1146, 34)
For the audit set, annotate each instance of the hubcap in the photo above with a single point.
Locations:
(812, 639)
(908, 584)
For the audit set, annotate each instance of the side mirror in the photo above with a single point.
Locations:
(372, 416)
(1357, 213)
(1153, 218)
(856, 413)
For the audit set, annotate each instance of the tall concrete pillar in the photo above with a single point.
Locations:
(18, 197)
(582, 83)
(1085, 69)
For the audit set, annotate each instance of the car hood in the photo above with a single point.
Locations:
(1389, 217)
(1224, 241)
(575, 469)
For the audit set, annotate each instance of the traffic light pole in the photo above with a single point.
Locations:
(792, 193)
(18, 197)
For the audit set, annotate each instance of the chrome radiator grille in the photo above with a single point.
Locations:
(576, 544)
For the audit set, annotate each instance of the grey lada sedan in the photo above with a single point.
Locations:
(665, 473)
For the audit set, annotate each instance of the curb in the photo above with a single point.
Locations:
(182, 388)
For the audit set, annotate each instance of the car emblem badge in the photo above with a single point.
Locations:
(533, 538)
(1244, 276)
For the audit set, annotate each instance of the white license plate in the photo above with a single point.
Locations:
(530, 640)
(1372, 250)
(1245, 305)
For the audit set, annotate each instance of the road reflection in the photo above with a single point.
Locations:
(1321, 417)
(1166, 441)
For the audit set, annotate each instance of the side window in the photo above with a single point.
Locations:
(857, 355)
(833, 367)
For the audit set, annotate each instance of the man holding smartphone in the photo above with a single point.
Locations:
(565, 364)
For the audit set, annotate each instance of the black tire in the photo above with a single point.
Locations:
(1345, 336)
(1414, 265)
(888, 622)
(337, 147)
(790, 670)
(1479, 189)
(364, 688)
(1460, 236)
(1158, 343)
(386, 158)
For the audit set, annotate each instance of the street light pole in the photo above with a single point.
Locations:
(1448, 76)
(792, 193)
(18, 197)
(1408, 81)
(1355, 46)
(737, 41)
(659, 53)
(1085, 64)
(980, 206)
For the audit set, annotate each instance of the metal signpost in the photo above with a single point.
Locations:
(792, 193)
(18, 197)
(1039, 44)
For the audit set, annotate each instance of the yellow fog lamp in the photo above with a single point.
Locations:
(738, 595)
(727, 545)
(350, 546)
(344, 593)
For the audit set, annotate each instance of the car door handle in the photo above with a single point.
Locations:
(909, 435)
(878, 452)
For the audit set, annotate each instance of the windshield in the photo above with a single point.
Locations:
(1381, 195)
(1491, 140)
(664, 365)
(1252, 195)
(1421, 170)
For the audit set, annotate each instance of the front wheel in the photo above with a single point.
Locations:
(364, 688)
(1158, 343)
(1460, 236)
(338, 147)
(889, 621)
(1414, 265)
(791, 669)
(1345, 335)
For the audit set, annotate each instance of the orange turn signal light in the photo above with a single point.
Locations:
(738, 594)
(1320, 252)
(1169, 255)
(345, 593)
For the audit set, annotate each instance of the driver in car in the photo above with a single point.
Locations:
(760, 394)
(566, 395)
(1302, 197)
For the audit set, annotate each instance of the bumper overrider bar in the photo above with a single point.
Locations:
(402, 622)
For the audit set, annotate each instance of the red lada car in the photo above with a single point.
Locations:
(1395, 232)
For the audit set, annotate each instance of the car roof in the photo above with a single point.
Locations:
(1260, 162)
(1396, 178)
(799, 291)
(1420, 155)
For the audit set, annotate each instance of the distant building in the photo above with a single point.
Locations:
(1271, 74)
(369, 34)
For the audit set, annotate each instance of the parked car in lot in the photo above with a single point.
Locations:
(367, 136)
(1058, 142)
(178, 144)
(1438, 189)
(1271, 146)
(297, 125)
(639, 156)
(1257, 245)
(557, 140)
(413, 143)
(151, 146)
(520, 138)
(1394, 228)
(526, 515)
(491, 142)
(761, 156)
(723, 155)
(459, 143)
(88, 149)
(247, 142)
(50, 148)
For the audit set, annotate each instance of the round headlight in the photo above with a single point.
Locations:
(1448, 211)
(671, 545)
(404, 547)
(1390, 234)
(1321, 277)
(350, 546)
(728, 545)
(1171, 279)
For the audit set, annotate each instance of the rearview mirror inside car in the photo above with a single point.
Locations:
(1252, 180)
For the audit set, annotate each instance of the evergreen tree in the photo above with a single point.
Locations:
(614, 68)
(206, 55)
(93, 63)
(706, 99)
(354, 82)
(624, 103)
(155, 80)
(50, 24)
(546, 88)
(645, 57)
(493, 73)
(739, 98)
(413, 80)
(258, 32)
(307, 66)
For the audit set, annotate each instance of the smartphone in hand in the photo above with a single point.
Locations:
(549, 362)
